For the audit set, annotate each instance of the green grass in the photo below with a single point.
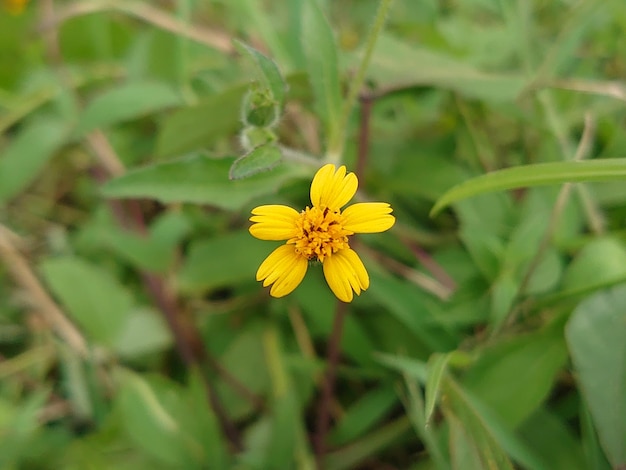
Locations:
(133, 334)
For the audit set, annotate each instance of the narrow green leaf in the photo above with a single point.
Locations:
(437, 366)
(126, 102)
(351, 456)
(198, 179)
(596, 336)
(491, 439)
(268, 71)
(613, 169)
(26, 155)
(262, 158)
(320, 50)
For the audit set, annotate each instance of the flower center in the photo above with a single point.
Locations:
(321, 234)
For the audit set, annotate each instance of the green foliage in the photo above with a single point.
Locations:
(136, 137)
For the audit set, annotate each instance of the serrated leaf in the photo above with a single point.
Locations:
(262, 158)
(320, 50)
(198, 179)
(127, 102)
(26, 155)
(268, 71)
(613, 169)
(596, 336)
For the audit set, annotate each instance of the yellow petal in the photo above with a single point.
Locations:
(344, 273)
(368, 217)
(274, 222)
(283, 268)
(333, 189)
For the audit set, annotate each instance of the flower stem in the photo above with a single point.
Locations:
(338, 138)
(328, 386)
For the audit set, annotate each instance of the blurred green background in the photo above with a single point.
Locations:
(133, 334)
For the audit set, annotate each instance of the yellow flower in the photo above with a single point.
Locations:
(319, 233)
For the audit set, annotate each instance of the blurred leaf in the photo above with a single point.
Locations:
(26, 155)
(202, 125)
(368, 446)
(144, 332)
(604, 257)
(245, 361)
(596, 336)
(514, 377)
(18, 425)
(320, 50)
(262, 158)
(151, 424)
(100, 306)
(552, 440)
(490, 439)
(411, 367)
(222, 261)
(389, 69)
(198, 179)
(414, 310)
(535, 175)
(126, 102)
(268, 71)
(155, 252)
(437, 365)
(364, 414)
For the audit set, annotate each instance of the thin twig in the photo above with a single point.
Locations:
(328, 389)
(37, 295)
(144, 12)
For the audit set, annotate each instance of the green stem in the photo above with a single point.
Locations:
(338, 137)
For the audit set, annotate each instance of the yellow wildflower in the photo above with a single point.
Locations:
(319, 233)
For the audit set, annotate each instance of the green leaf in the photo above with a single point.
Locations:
(490, 439)
(437, 365)
(200, 126)
(364, 414)
(222, 261)
(126, 102)
(260, 159)
(552, 439)
(100, 305)
(389, 69)
(27, 154)
(320, 50)
(605, 257)
(514, 377)
(596, 336)
(150, 418)
(268, 71)
(535, 175)
(155, 252)
(198, 179)
(143, 333)
(370, 445)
